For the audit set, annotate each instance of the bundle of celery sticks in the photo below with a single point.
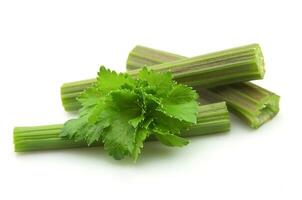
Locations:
(220, 78)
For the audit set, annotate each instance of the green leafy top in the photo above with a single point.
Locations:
(123, 111)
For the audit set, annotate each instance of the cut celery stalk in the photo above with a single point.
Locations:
(211, 118)
(253, 104)
(220, 68)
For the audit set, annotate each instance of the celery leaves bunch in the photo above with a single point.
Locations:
(123, 111)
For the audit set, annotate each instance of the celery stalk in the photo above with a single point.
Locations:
(211, 118)
(220, 68)
(253, 104)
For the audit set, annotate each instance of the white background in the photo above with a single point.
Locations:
(46, 43)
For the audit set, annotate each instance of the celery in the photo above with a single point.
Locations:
(212, 118)
(253, 104)
(220, 68)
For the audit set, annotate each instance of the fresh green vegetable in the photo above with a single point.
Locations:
(220, 68)
(253, 104)
(123, 111)
(211, 118)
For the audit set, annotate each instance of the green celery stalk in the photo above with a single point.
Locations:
(211, 118)
(220, 68)
(252, 103)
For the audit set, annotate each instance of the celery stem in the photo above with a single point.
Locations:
(211, 118)
(219, 68)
